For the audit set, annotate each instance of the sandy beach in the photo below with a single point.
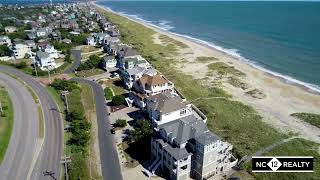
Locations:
(280, 98)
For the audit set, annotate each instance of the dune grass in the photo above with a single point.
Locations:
(313, 119)
(237, 123)
(6, 121)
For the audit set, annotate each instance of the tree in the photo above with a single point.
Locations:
(68, 58)
(4, 50)
(79, 40)
(121, 123)
(118, 100)
(21, 65)
(26, 56)
(108, 94)
(142, 129)
(64, 85)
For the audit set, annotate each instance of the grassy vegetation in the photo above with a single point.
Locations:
(90, 72)
(6, 121)
(224, 69)
(166, 40)
(115, 85)
(311, 118)
(295, 147)
(78, 135)
(108, 94)
(237, 82)
(234, 121)
(29, 70)
(205, 59)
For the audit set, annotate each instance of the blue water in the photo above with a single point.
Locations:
(282, 38)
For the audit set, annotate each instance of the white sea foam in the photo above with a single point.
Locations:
(164, 25)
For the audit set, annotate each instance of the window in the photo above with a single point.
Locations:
(183, 112)
(184, 167)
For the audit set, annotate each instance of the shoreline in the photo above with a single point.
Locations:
(308, 87)
(281, 100)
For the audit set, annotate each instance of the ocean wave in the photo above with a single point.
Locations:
(164, 26)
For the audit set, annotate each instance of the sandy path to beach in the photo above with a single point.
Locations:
(281, 99)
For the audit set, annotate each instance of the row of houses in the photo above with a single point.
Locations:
(182, 146)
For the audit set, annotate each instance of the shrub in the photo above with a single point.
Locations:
(64, 85)
(118, 100)
(142, 129)
(93, 62)
(121, 123)
(21, 65)
(108, 94)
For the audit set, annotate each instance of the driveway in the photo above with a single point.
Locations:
(108, 154)
(76, 55)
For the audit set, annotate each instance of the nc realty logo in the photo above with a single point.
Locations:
(282, 164)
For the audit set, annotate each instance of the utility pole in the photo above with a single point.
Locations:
(49, 75)
(65, 160)
(1, 110)
(35, 69)
(65, 94)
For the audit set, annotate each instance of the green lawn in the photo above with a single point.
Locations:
(6, 121)
(235, 122)
(313, 119)
(90, 72)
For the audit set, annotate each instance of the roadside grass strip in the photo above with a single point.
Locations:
(6, 121)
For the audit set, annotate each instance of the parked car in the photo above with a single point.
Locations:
(112, 131)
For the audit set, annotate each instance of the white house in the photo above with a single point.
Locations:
(10, 29)
(44, 60)
(20, 50)
(151, 85)
(166, 107)
(53, 53)
(109, 62)
(5, 40)
(42, 32)
(91, 41)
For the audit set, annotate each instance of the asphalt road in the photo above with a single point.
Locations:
(108, 154)
(24, 139)
(76, 55)
(50, 154)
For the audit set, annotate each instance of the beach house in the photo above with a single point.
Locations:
(44, 61)
(182, 145)
(20, 50)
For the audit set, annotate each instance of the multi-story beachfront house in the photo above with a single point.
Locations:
(151, 85)
(44, 61)
(182, 146)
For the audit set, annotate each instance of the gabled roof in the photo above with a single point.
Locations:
(166, 102)
(41, 54)
(152, 80)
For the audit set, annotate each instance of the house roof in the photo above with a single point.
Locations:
(152, 80)
(166, 102)
(207, 138)
(176, 152)
(184, 129)
(42, 55)
(135, 70)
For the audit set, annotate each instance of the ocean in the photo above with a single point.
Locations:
(281, 38)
